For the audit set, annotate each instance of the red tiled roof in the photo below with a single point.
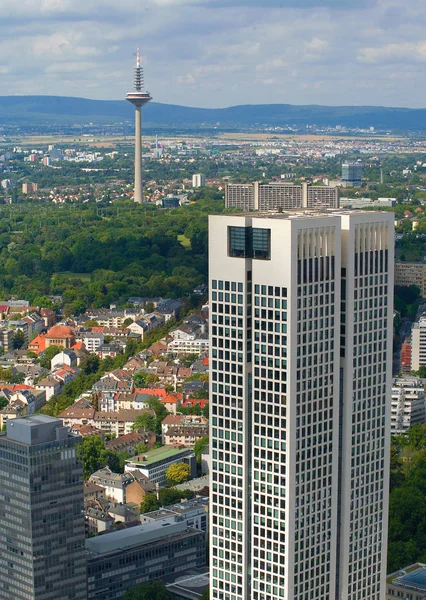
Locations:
(60, 332)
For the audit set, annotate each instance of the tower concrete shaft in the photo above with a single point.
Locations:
(138, 98)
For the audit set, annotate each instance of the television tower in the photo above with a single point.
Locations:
(138, 98)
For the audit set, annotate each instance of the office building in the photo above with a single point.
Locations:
(42, 553)
(418, 344)
(408, 583)
(274, 196)
(301, 355)
(139, 554)
(198, 180)
(138, 97)
(154, 463)
(352, 173)
(408, 404)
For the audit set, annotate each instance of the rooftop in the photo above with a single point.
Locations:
(135, 536)
(153, 456)
(414, 579)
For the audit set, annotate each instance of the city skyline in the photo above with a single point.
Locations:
(216, 54)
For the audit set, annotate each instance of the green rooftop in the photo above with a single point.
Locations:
(152, 456)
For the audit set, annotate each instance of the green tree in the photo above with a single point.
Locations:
(169, 496)
(141, 448)
(160, 412)
(199, 447)
(154, 590)
(3, 403)
(145, 421)
(150, 503)
(90, 364)
(178, 473)
(18, 339)
(48, 354)
(205, 595)
(139, 379)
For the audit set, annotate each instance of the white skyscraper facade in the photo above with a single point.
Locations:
(301, 334)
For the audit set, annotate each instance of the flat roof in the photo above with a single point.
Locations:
(415, 579)
(135, 536)
(157, 454)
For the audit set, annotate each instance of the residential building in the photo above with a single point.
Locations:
(127, 443)
(140, 554)
(41, 511)
(418, 344)
(352, 173)
(272, 196)
(301, 358)
(6, 338)
(189, 346)
(407, 273)
(198, 180)
(408, 404)
(154, 463)
(92, 340)
(117, 484)
(50, 386)
(182, 435)
(66, 357)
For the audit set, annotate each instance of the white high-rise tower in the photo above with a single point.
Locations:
(138, 97)
(301, 353)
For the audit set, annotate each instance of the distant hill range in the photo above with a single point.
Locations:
(27, 111)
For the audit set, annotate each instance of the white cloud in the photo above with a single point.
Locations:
(219, 52)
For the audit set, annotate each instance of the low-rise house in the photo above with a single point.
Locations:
(50, 385)
(129, 441)
(38, 344)
(92, 491)
(170, 403)
(169, 308)
(66, 357)
(65, 374)
(118, 423)
(185, 435)
(108, 350)
(117, 484)
(49, 317)
(73, 415)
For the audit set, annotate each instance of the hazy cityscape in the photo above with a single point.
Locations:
(213, 319)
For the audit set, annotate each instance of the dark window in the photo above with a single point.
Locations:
(248, 242)
(237, 242)
(261, 243)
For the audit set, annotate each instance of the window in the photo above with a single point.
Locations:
(248, 242)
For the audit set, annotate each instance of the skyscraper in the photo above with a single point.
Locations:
(42, 554)
(301, 334)
(138, 97)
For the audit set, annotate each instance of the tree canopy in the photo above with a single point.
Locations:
(154, 590)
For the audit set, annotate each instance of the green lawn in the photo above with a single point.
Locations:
(70, 275)
(186, 242)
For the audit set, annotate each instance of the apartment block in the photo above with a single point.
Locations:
(259, 196)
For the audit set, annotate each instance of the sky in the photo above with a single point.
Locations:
(218, 53)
